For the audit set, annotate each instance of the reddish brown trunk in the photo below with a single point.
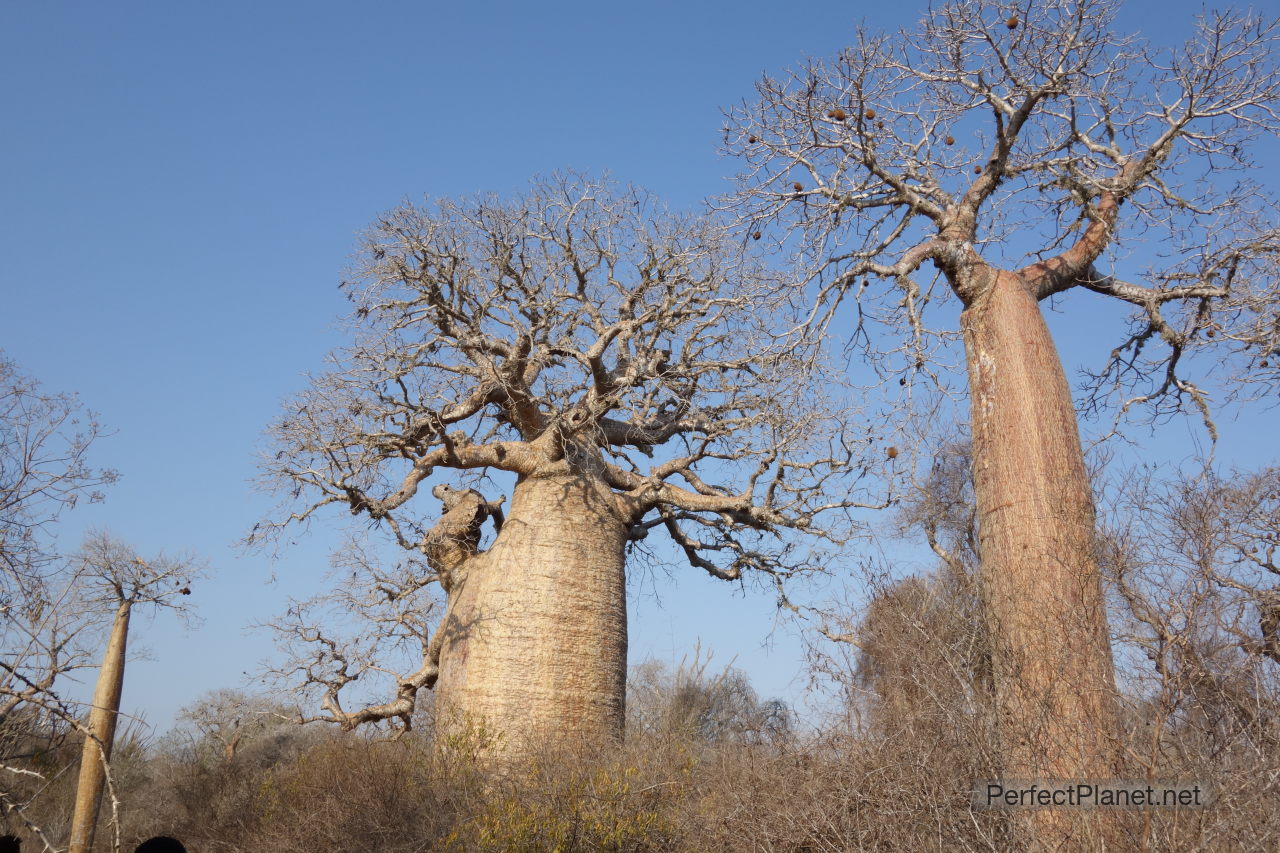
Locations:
(1054, 678)
(535, 649)
(102, 725)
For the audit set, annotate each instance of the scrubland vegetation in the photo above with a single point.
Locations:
(631, 373)
(706, 765)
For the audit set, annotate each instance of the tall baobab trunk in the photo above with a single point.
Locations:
(1053, 671)
(535, 643)
(102, 727)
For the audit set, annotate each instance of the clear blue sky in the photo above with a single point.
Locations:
(181, 186)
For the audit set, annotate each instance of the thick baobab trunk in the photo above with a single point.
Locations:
(1053, 671)
(535, 644)
(102, 725)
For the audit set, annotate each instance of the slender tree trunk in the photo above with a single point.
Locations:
(535, 649)
(102, 725)
(1053, 671)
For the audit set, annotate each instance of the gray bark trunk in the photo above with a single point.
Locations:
(534, 648)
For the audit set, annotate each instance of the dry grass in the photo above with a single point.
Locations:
(899, 790)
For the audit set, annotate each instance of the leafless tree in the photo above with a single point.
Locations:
(226, 720)
(51, 637)
(43, 642)
(44, 470)
(1022, 149)
(45, 440)
(689, 703)
(1192, 559)
(911, 659)
(922, 658)
(887, 619)
(110, 577)
(630, 368)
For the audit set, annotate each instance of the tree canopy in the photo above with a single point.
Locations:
(580, 330)
(1037, 138)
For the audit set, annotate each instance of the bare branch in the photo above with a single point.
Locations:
(582, 336)
(1040, 148)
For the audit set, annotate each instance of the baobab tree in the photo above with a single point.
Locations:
(111, 578)
(1022, 150)
(631, 369)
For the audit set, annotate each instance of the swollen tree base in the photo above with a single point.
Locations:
(534, 646)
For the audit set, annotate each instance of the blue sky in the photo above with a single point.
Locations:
(182, 185)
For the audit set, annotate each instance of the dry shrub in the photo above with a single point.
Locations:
(708, 766)
(904, 788)
(563, 800)
(1191, 560)
(349, 794)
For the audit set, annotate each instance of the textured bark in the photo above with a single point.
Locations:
(1054, 678)
(535, 641)
(102, 724)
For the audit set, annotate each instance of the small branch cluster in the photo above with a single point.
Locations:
(1221, 536)
(44, 469)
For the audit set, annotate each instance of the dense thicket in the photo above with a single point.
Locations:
(891, 771)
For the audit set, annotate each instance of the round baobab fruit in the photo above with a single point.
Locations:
(1012, 23)
(839, 114)
(950, 140)
(870, 113)
(751, 140)
(892, 453)
(977, 170)
(797, 186)
(755, 236)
